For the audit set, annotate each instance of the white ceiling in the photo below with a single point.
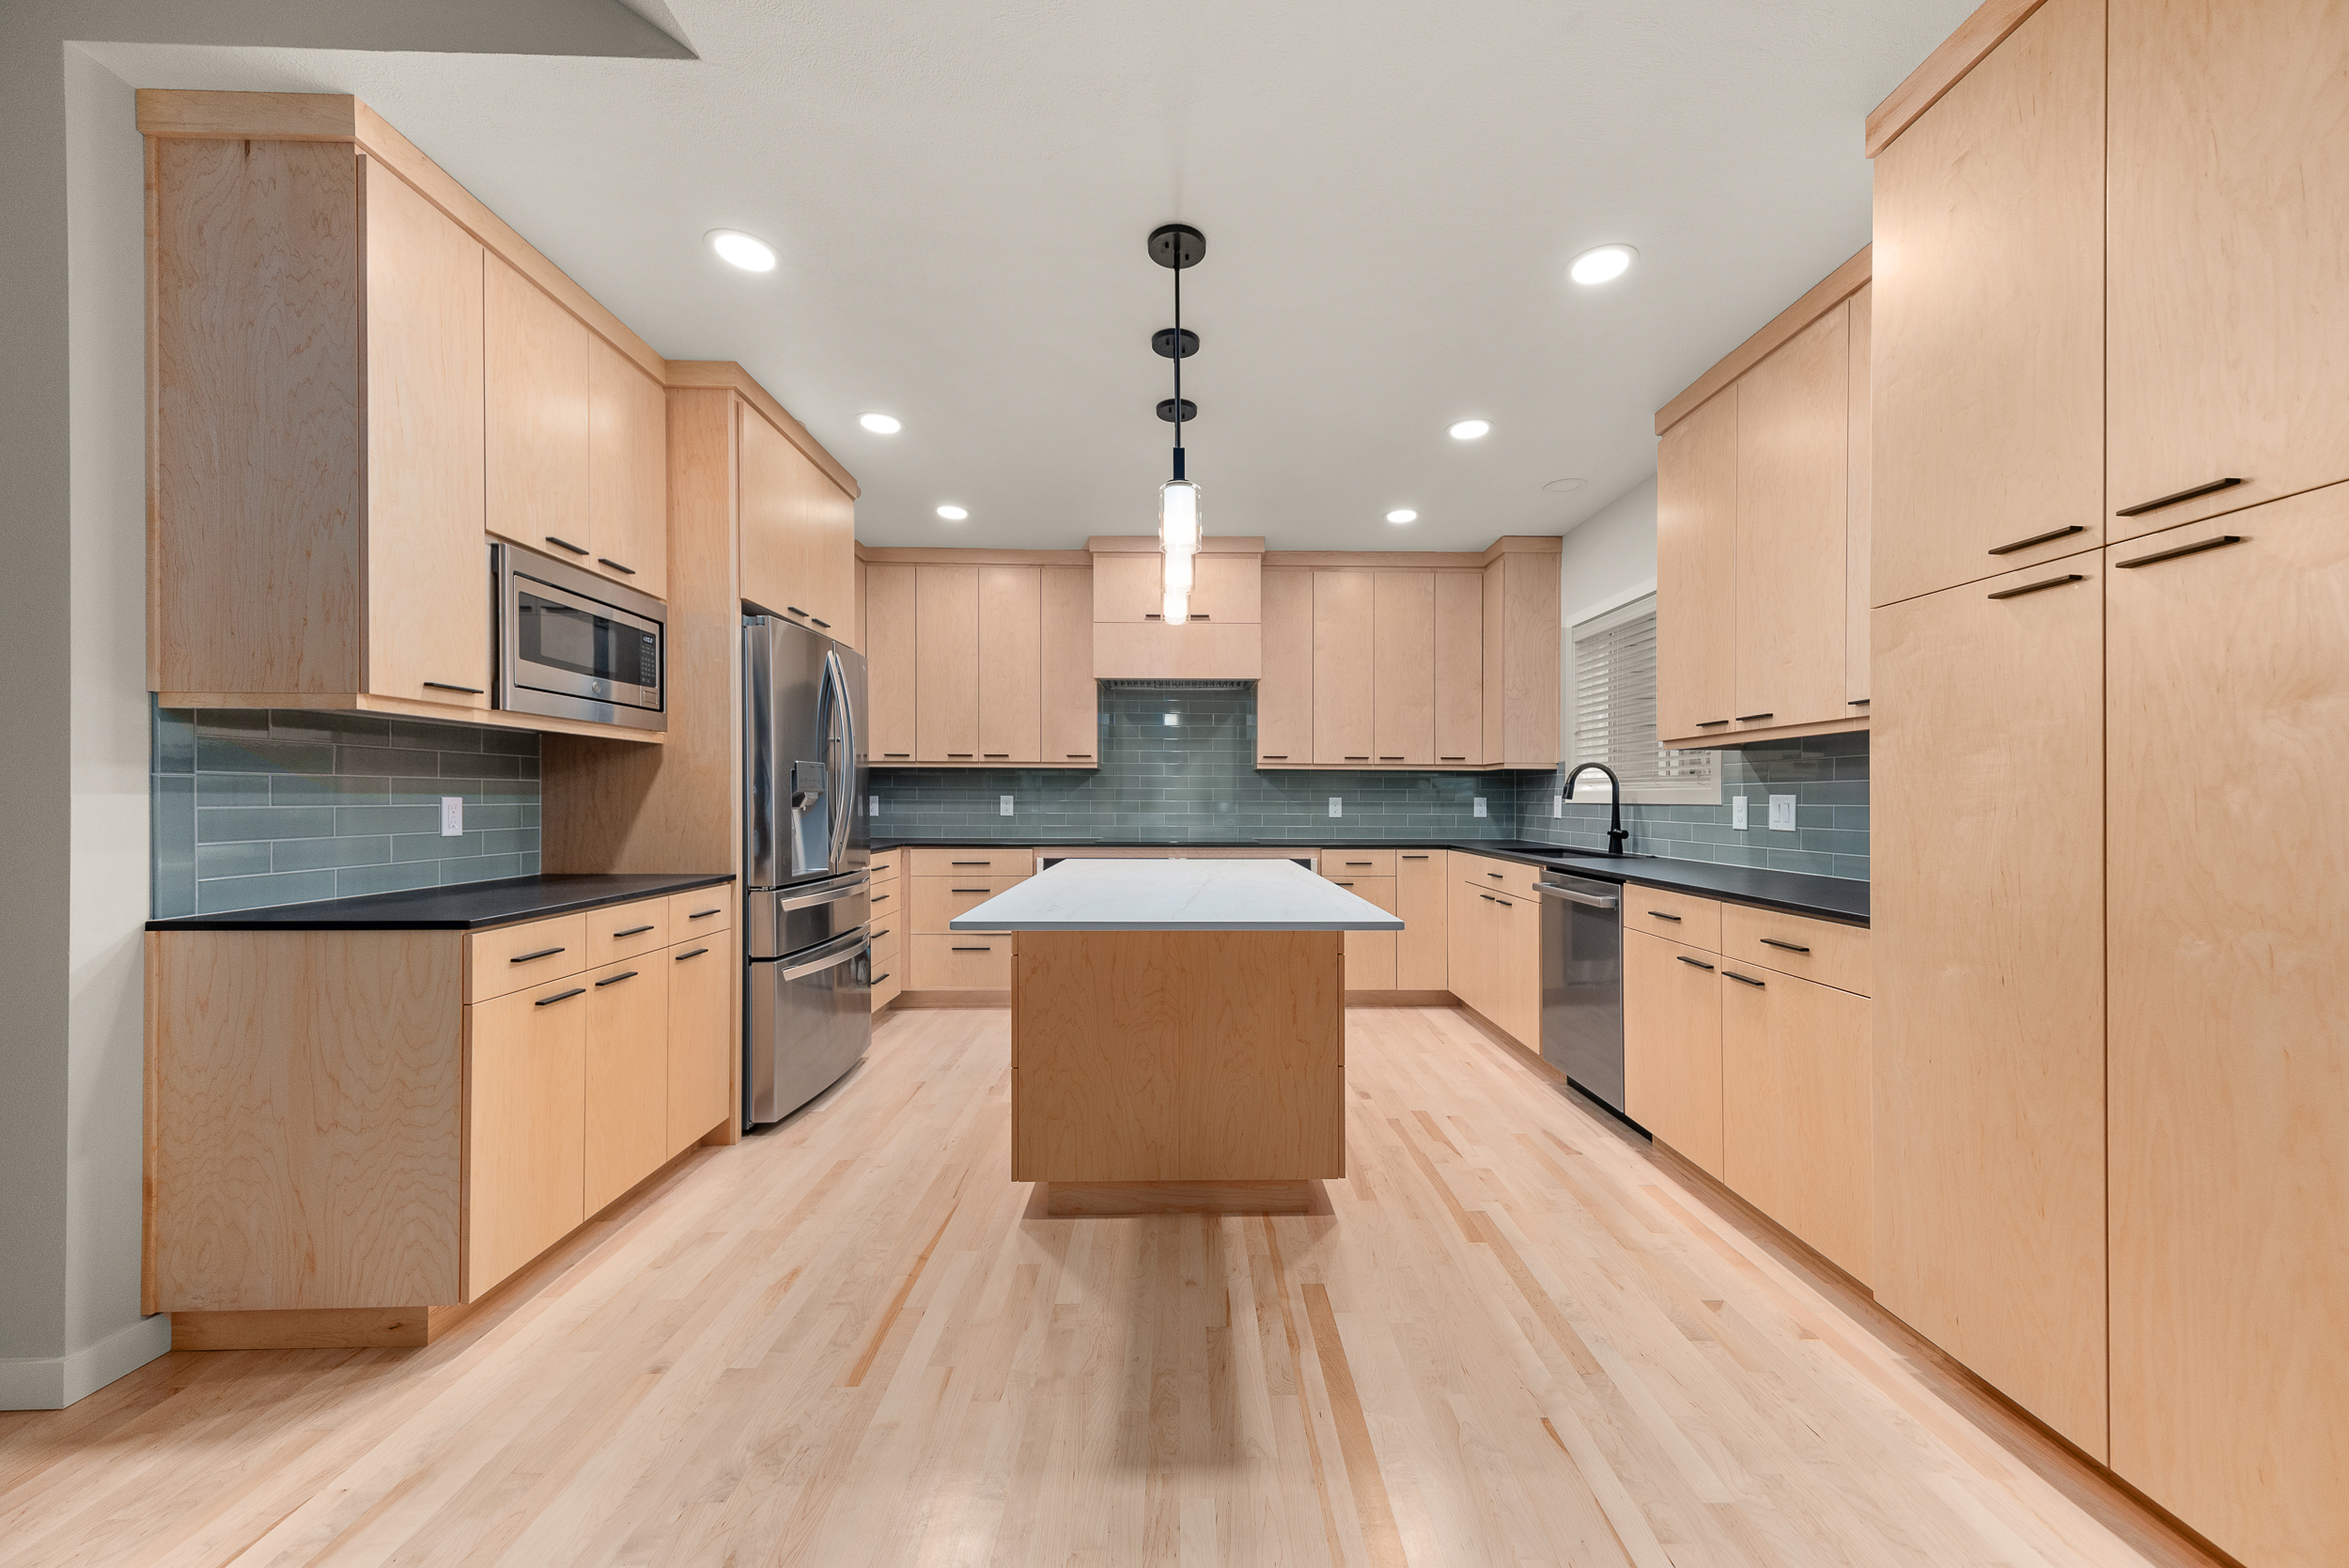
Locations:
(1391, 192)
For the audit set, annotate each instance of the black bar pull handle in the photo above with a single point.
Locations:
(970, 889)
(897, 754)
(1711, 723)
(1693, 963)
(2219, 543)
(1358, 759)
(631, 931)
(877, 979)
(969, 949)
(1415, 856)
(696, 953)
(817, 620)
(2051, 534)
(575, 549)
(444, 686)
(2035, 587)
(542, 952)
(1783, 947)
(1732, 975)
(2144, 507)
(702, 914)
(797, 611)
(1856, 702)
(614, 980)
(1751, 718)
(1276, 756)
(1452, 759)
(561, 996)
(1661, 915)
(607, 561)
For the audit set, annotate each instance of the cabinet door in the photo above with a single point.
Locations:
(1459, 676)
(1226, 588)
(1423, 959)
(428, 620)
(1986, 953)
(1011, 670)
(1370, 955)
(1071, 698)
(1794, 438)
(1403, 666)
(1671, 1045)
(1515, 989)
(1795, 1134)
(779, 561)
(946, 694)
(890, 661)
(1696, 564)
(1284, 695)
(1859, 506)
(1469, 937)
(628, 1075)
(1343, 644)
(831, 513)
(525, 1105)
(1128, 588)
(2230, 234)
(701, 1038)
(535, 456)
(2228, 699)
(628, 471)
(1988, 386)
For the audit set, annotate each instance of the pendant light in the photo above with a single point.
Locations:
(1181, 526)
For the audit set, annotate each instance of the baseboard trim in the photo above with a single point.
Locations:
(54, 1382)
(1401, 998)
(952, 998)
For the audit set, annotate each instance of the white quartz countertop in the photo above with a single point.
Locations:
(1176, 895)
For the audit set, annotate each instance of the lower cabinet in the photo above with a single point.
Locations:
(1370, 955)
(1795, 1140)
(1422, 955)
(1671, 1045)
(1494, 932)
(700, 1075)
(628, 1075)
(525, 1104)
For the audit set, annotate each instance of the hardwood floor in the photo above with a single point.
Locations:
(1520, 1338)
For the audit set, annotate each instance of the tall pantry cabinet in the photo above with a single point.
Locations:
(2111, 573)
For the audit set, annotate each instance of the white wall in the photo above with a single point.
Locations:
(1611, 557)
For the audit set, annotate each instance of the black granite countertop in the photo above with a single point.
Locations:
(467, 906)
(1836, 898)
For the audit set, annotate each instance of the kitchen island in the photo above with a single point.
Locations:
(1177, 1033)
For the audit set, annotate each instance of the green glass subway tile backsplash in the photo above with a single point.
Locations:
(256, 808)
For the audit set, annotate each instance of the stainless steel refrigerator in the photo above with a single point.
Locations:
(807, 1008)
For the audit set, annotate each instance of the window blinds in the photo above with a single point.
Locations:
(1614, 714)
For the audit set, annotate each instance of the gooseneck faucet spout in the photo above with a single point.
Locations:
(1616, 832)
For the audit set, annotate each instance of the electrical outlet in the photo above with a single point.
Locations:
(452, 816)
(873, 810)
(1337, 805)
(1480, 805)
(1782, 814)
(1557, 805)
(1002, 805)
(1737, 813)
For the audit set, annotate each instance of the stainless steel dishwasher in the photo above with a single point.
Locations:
(1582, 983)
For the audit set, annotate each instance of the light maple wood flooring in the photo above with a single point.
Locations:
(1520, 1338)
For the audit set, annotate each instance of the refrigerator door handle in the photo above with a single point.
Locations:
(843, 780)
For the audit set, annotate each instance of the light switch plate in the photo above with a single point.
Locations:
(1002, 805)
(1737, 813)
(452, 816)
(1557, 805)
(1480, 805)
(1782, 814)
(873, 809)
(1337, 805)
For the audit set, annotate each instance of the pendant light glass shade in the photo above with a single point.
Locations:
(1175, 609)
(1179, 534)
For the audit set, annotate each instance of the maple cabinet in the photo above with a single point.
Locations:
(699, 1089)
(1459, 675)
(1284, 695)
(1009, 657)
(628, 471)
(1071, 698)
(628, 1076)
(1494, 930)
(1370, 955)
(1223, 637)
(1696, 571)
(946, 664)
(892, 663)
(1403, 666)
(799, 549)
(1422, 959)
(1343, 639)
(1797, 1139)
(525, 1104)
(981, 664)
(1671, 1045)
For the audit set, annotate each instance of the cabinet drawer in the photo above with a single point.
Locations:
(887, 985)
(1337, 864)
(700, 912)
(625, 930)
(936, 900)
(1379, 889)
(961, 963)
(887, 944)
(512, 956)
(884, 863)
(1817, 949)
(1674, 916)
(1496, 875)
(885, 903)
(978, 862)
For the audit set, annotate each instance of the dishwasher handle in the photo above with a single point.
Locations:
(1552, 889)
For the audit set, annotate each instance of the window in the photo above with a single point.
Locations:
(1611, 714)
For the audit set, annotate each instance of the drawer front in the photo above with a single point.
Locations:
(887, 984)
(1337, 864)
(938, 899)
(512, 956)
(1378, 890)
(1817, 949)
(884, 863)
(701, 911)
(624, 930)
(886, 946)
(885, 903)
(1674, 916)
(1496, 875)
(961, 963)
(973, 863)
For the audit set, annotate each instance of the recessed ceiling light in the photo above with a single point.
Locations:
(1403, 514)
(952, 514)
(1559, 487)
(880, 423)
(750, 255)
(1469, 429)
(1603, 265)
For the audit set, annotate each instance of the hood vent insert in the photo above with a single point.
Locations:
(1177, 685)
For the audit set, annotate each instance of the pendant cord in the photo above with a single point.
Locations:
(1178, 356)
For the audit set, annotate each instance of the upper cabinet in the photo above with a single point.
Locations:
(798, 546)
(1225, 639)
(1284, 695)
(1761, 512)
(2229, 224)
(628, 471)
(979, 659)
(1988, 380)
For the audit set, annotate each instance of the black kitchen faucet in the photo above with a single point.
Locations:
(1616, 832)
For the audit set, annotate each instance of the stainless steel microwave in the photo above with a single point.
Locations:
(571, 644)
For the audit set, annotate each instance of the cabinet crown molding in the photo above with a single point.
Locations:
(1825, 295)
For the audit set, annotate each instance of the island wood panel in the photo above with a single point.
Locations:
(627, 471)
(535, 459)
(1678, 917)
(1987, 395)
(1011, 672)
(1423, 957)
(703, 1045)
(1459, 666)
(946, 663)
(1987, 954)
(1345, 644)
(1169, 1056)
(893, 662)
(1671, 1045)
(1793, 437)
(1797, 1118)
(1826, 951)
(525, 1119)
(1403, 666)
(427, 616)
(255, 463)
(1696, 567)
(304, 1104)
(1284, 696)
(1071, 698)
(1858, 503)
(626, 1126)
(2228, 702)
(2229, 241)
